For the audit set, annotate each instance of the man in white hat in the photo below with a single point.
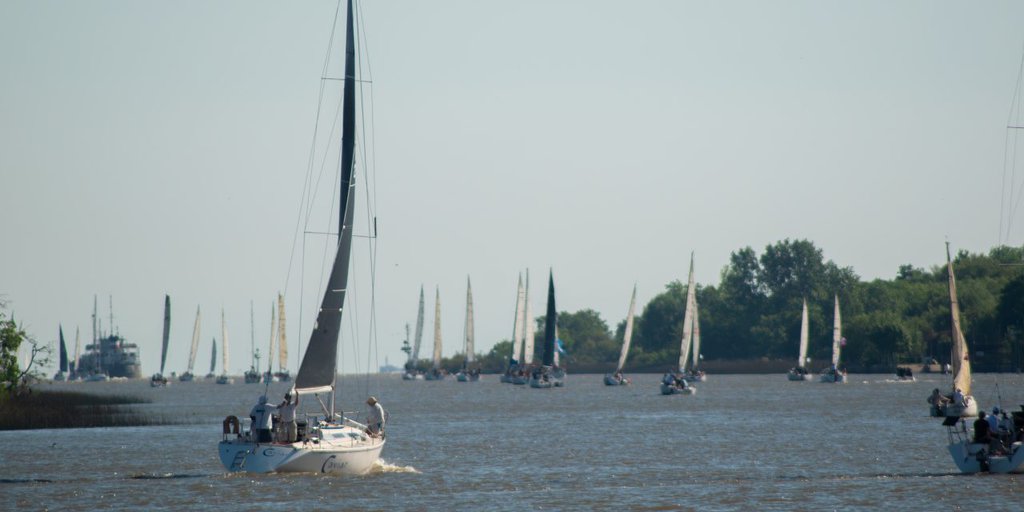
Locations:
(287, 432)
(375, 421)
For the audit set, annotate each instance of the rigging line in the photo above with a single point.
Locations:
(312, 150)
(1014, 106)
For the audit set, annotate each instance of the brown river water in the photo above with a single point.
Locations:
(743, 442)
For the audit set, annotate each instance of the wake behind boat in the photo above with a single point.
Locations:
(333, 443)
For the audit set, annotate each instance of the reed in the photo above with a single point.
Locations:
(67, 409)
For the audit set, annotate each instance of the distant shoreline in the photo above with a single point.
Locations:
(37, 409)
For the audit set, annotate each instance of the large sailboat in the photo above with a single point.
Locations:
(615, 378)
(799, 372)
(468, 373)
(188, 376)
(335, 444)
(158, 379)
(224, 378)
(411, 373)
(834, 374)
(436, 372)
(549, 374)
(676, 382)
(961, 402)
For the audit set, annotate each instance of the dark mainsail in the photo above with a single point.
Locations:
(550, 321)
(319, 363)
(167, 331)
(63, 350)
(213, 356)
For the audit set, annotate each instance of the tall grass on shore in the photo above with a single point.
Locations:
(68, 409)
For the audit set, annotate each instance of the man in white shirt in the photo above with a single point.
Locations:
(375, 421)
(262, 420)
(286, 410)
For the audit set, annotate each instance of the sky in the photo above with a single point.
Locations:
(151, 148)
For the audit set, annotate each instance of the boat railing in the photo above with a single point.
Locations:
(956, 430)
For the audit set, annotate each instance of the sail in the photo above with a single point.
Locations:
(224, 344)
(282, 336)
(78, 354)
(273, 329)
(695, 354)
(63, 350)
(959, 359)
(529, 326)
(167, 332)
(628, 334)
(320, 362)
(437, 330)
(804, 330)
(550, 322)
(213, 356)
(469, 323)
(195, 343)
(691, 298)
(415, 355)
(517, 332)
(837, 334)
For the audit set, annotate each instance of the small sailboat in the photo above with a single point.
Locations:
(224, 378)
(268, 376)
(335, 444)
(252, 375)
(616, 378)
(62, 367)
(410, 366)
(188, 376)
(282, 374)
(515, 372)
(799, 372)
(675, 382)
(960, 402)
(468, 373)
(213, 359)
(833, 374)
(158, 379)
(549, 374)
(436, 372)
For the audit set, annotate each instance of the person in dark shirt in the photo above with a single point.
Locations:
(982, 430)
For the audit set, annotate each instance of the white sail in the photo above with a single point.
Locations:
(282, 336)
(628, 334)
(195, 343)
(691, 298)
(415, 355)
(695, 354)
(273, 337)
(77, 353)
(804, 330)
(529, 325)
(517, 330)
(469, 323)
(837, 334)
(437, 331)
(959, 360)
(224, 344)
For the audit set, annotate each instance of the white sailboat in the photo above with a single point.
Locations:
(411, 373)
(158, 379)
(529, 326)
(334, 444)
(834, 374)
(514, 373)
(188, 376)
(282, 374)
(468, 373)
(959, 359)
(550, 374)
(268, 376)
(675, 383)
(615, 378)
(799, 372)
(224, 378)
(252, 375)
(436, 372)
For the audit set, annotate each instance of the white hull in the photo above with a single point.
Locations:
(969, 410)
(347, 456)
(969, 456)
(676, 390)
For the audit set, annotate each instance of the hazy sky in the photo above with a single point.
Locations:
(161, 147)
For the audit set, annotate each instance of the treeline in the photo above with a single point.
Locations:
(754, 312)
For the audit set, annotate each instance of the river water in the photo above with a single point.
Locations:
(750, 442)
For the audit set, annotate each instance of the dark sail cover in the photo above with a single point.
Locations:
(550, 321)
(63, 351)
(319, 363)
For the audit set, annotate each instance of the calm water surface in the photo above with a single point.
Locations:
(751, 442)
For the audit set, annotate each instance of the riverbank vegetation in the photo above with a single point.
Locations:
(753, 313)
(30, 409)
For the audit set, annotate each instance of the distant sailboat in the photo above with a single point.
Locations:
(188, 376)
(411, 373)
(252, 375)
(615, 378)
(62, 367)
(514, 372)
(282, 373)
(676, 382)
(959, 359)
(833, 374)
(268, 376)
(468, 373)
(436, 372)
(213, 359)
(158, 379)
(224, 378)
(799, 372)
(529, 325)
(549, 374)
(73, 373)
